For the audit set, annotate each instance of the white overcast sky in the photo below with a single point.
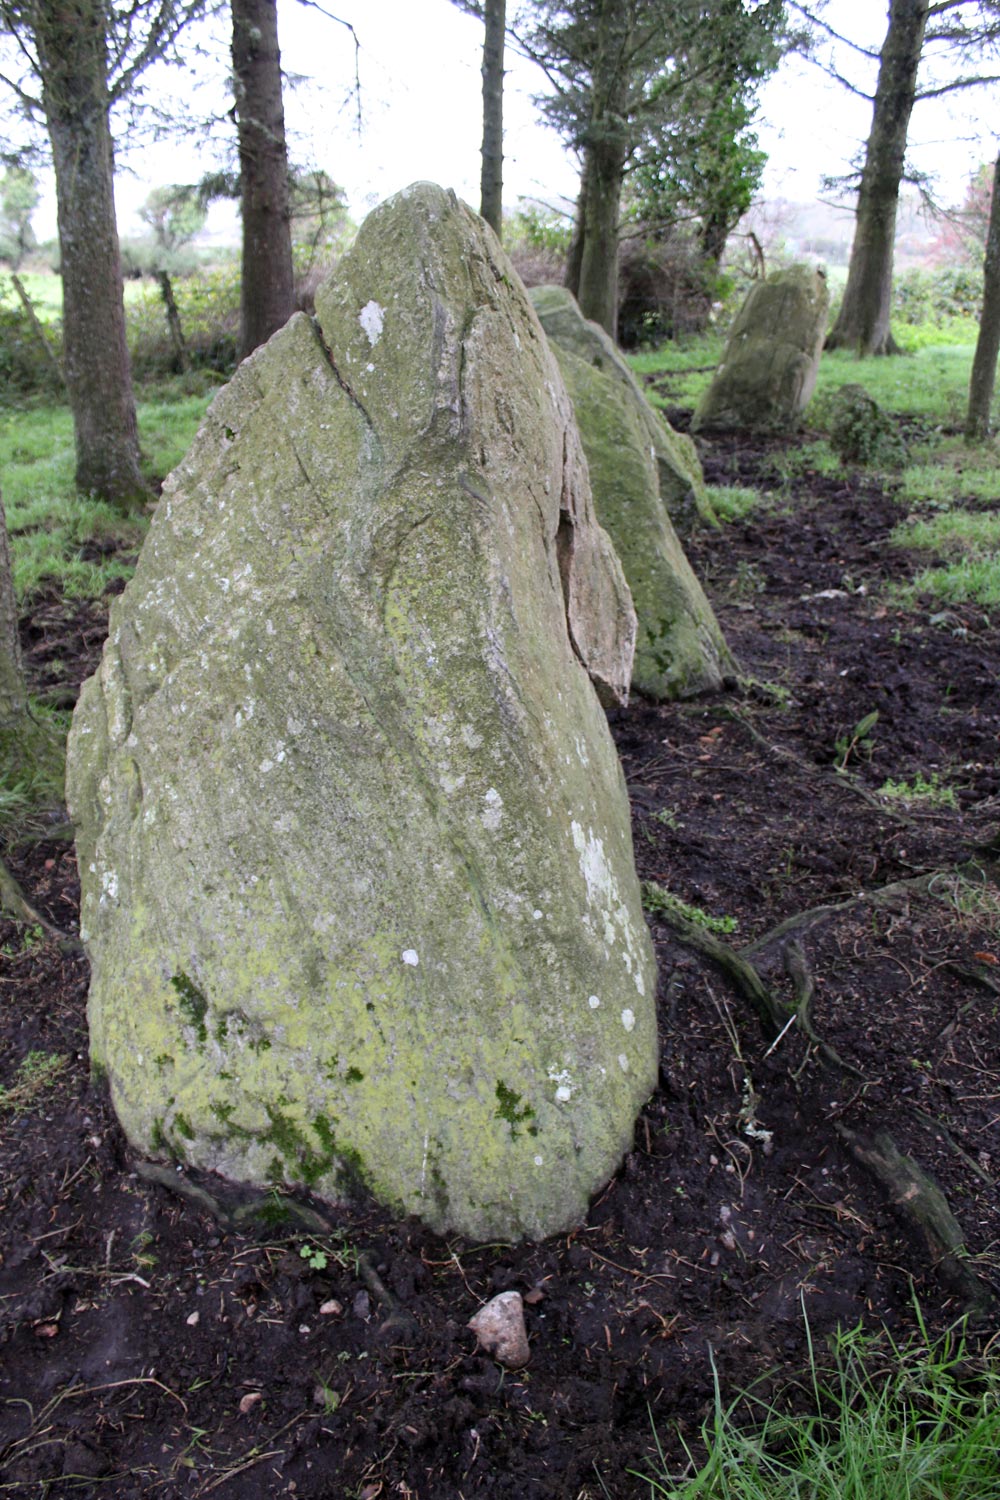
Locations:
(420, 95)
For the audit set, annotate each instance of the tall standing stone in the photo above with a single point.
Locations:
(768, 371)
(358, 886)
(641, 472)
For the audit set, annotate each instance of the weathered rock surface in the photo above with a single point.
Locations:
(358, 887)
(768, 371)
(639, 470)
(678, 467)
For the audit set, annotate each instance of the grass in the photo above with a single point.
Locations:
(961, 532)
(880, 1422)
(731, 502)
(50, 525)
(35, 1075)
(951, 477)
(975, 902)
(932, 383)
(686, 364)
(32, 766)
(968, 544)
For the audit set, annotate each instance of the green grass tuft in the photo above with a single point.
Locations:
(880, 1422)
(731, 502)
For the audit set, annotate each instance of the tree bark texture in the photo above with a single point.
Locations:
(491, 181)
(574, 255)
(598, 294)
(13, 699)
(984, 363)
(605, 148)
(863, 322)
(267, 298)
(72, 47)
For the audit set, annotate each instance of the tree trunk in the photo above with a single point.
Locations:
(713, 237)
(984, 364)
(267, 298)
(863, 323)
(72, 48)
(574, 255)
(605, 150)
(491, 183)
(173, 320)
(598, 294)
(13, 699)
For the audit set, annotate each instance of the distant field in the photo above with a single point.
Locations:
(45, 290)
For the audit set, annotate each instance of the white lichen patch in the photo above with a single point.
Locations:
(623, 1062)
(411, 957)
(594, 1001)
(372, 318)
(628, 1019)
(493, 814)
(593, 865)
(563, 1083)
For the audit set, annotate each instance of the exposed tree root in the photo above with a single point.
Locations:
(243, 1215)
(16, 905)
(802, 982)
(942, 1130)
(913, 1194)
(771, 1014)
(891, 896)
(923, 1207)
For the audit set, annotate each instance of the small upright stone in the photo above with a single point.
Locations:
(768, 371)
(358, 885)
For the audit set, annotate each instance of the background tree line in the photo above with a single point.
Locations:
(657, 98)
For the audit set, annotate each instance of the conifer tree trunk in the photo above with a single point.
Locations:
(491, 182)
(863, 322)
(13, 698)
(574, 254)
(267, 298)
(598, 294)
(72, 47)
(984, 364)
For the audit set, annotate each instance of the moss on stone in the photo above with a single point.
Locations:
(192, 1004)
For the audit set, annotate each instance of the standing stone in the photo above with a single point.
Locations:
(681, 483)
(639, 470)
(358, 885)
(769, 369)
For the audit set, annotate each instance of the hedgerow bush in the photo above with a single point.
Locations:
(24, 369)
(209, 308)
(920, 296)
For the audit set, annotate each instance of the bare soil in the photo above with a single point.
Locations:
(154, 1343)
